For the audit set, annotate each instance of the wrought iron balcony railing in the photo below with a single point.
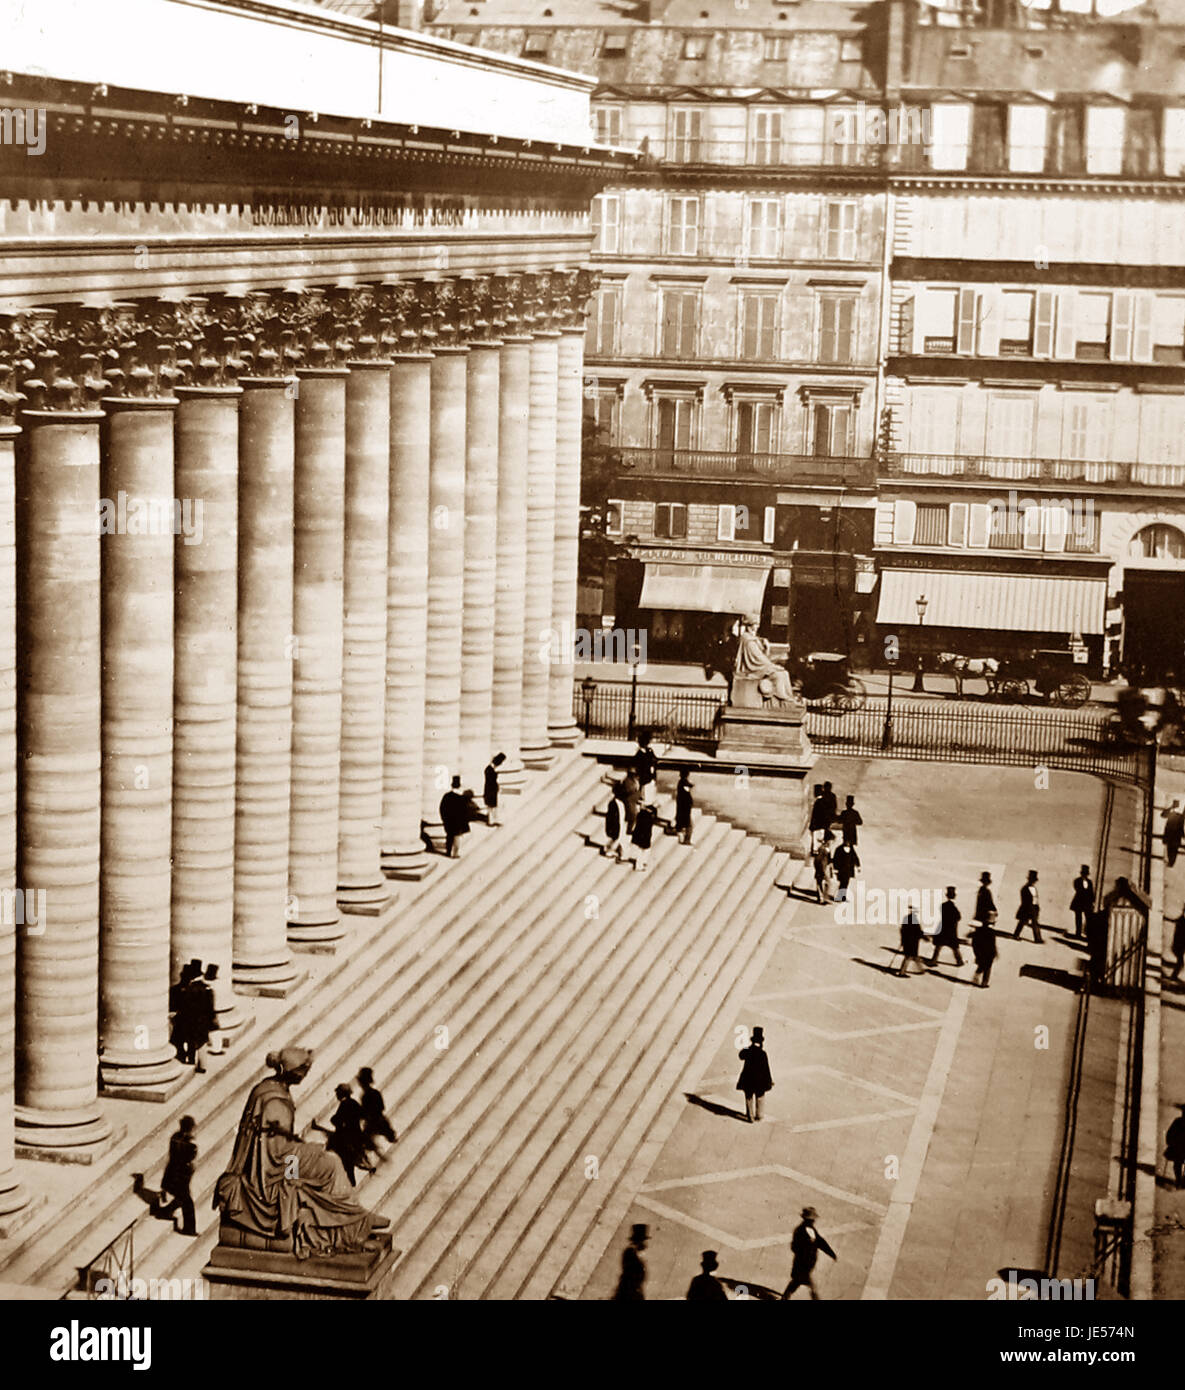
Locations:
(1088, 472)
(778, 468)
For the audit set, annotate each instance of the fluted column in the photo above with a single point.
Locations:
(319, 508)
(446, 573)
(135, 873)
(538, 639)
(561, 726)
(58, 772)
(13, 1196)
(205, 665)
(262, 956)
(361, 885)
(481, 546)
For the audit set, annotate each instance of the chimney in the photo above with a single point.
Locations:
(901, 19)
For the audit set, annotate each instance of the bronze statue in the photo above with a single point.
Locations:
(754, 665)
(279, 1187)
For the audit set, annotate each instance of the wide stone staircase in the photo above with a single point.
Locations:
(531, 1013)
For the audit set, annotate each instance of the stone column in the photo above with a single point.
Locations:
(262, 956)
(13, 1197)
(205, 665)
(361, 885)
(58, 772)
(561, 726)
(539, 642)
(446, 566)
(319, 509)
(136, 528)
(481, 547)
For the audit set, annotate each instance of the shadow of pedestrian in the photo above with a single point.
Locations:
(742, 1289)
(715, 1108)
(889, 969)
(1064, 979)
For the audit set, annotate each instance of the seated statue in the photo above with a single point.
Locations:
(280, 1187)
(755, 665)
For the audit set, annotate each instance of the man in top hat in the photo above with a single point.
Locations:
(633, 1270)
(985, 903)
(705, 1287)
(454, 816)
(755, 1079)
(1082, 903)
(683, 805)
(805, 1244)
(1174, 1146)
(948, 930)
(1029, 911)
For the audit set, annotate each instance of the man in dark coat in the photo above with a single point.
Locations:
(1174, 1146)
(614, 824)
(851, 820)
(454, 816)
(755, 1079)
(642, 836)
(1178, 947)
(177, 1177)
(818, 823)
(489, 791)
(633, 1270)
(983, 948)
(631, 797)
(911, 940)
(985, 904)
(1082, 902)
(948, 931)
(1174, 830)
(646, 763)
(705, 1287)
(845, 861)
(1029, 911)
(375, 1125)
(829, 806)
(683, 807)
(805, 1244)
(346, 1138)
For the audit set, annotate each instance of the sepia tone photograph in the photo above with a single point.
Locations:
(592, 664)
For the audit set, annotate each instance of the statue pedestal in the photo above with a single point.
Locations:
(243, 1266)
(774, 734)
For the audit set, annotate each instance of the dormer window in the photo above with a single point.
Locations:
(851, 51)
(614, 45)
(695, 45)
(536, 45)
(960, 50)
(777, 48)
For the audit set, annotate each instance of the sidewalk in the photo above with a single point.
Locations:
(923, 1118)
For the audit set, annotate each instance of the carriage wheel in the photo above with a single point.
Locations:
(855, 695)
(834, 700)
(1073, 691)
(1013, 689)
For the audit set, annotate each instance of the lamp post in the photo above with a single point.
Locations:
(887, 734)
(633, 661)
(919, 684)
(588, 688)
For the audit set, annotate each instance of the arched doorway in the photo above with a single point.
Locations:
(1154, 604)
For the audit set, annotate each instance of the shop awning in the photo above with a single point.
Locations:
(735, 589)
(1000, 602)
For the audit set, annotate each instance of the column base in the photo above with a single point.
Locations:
(17, 1209)
(364, 900)
(410, 865)
(232, 1020)
(133, 1076)
(538, 759)
(267, 981)
(512, 776)
(64, 1136)
(566, 735)
(232, 1037)
(320, 938)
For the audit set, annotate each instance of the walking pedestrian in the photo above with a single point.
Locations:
(375, 1125)
(983, 948)
(845, 861)
(202, 1018)
(830, 805)
(631, 797)
(1082, 902)
(346, 1138)
(824, 874)
(985, 904)
(948, 930)
(1029, 911)
(454, 816)
(911, 940)
(1178, 947)
(177, 1177)
(217, 987)
(684, 803)
(646, 761)
(805, 1244)
(1174, 1146)
(705, 1287)
(631, 1285)
(614, 824)
(818, 823)
(851, 820)
(1174, 830)
(642, 837)
(755, 1079)
(489, 790)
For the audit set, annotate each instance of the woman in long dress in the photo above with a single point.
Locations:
(276, 1185)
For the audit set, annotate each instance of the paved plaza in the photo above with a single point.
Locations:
(920, 1116)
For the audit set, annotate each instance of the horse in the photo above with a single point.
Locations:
(961, 667)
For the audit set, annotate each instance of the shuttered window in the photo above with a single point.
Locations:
(930, 524)
(765, 227)
(606, 223)
(1043, 325)
(680, 323)
(766, 143)
(759, 326)
(968, 318)
(837, 328)
(839, 241)
(1104, 139)
(683, 227)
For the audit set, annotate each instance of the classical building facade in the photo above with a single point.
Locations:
(289, 486)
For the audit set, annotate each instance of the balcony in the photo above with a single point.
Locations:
(770, 155)
(790, 469)
(1081, 472)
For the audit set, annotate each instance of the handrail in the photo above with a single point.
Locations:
(1061, 1186)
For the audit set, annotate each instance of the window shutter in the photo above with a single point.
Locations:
(884, 523)
(1057, 525)
(956, 533)
(904, 519)
(1034, 518)
(688, 325)
(1142, 327)
(965, 340)
(979, 526)
(767, 530)
(1122, 319)
(913, 324)
(726, 522)
(990, 311)
(1065, 342)
(749, 327)
(1043, 324)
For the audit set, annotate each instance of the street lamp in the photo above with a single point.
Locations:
(919, 685)
(891, 657)
(633, 659)
(588, 688)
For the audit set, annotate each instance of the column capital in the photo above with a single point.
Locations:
(575, 290)
(139, 359)
(57, 358)
(368, 315)
(411, 305)
(265, 328)
(323, 335)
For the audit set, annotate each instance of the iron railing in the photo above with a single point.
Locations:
(1087, 472)
(840, 471)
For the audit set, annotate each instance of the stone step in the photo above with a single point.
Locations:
(570, 1021)
(70, 1232)
(597, 1076)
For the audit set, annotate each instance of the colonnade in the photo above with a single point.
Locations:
(288, 561)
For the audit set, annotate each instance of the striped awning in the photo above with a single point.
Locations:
(735, 589)
(999, 602)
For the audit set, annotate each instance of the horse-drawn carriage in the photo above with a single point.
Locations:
(824, 681)
(1048, 673)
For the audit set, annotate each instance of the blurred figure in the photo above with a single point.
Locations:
(705, 1287)
(631, 1285)
(851, 820)
(1082, 902)
(948, 930)
(1174, 827)
(346, 1138)
(489, 792)
(177, 1177)
(755, 1079)
(805, 1244)
(983, 948)
(643, 836)
(683, 807)
(1029, 911)
(911, 940)
(375, 1125)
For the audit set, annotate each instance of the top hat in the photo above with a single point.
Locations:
(708, 1259)
(759, 1034)
(456, 781)
(809, 1213)
(639, 1232)
(365, 1075)
(985, 877)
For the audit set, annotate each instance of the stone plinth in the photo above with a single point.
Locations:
(244, 1266)
(775, 733)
